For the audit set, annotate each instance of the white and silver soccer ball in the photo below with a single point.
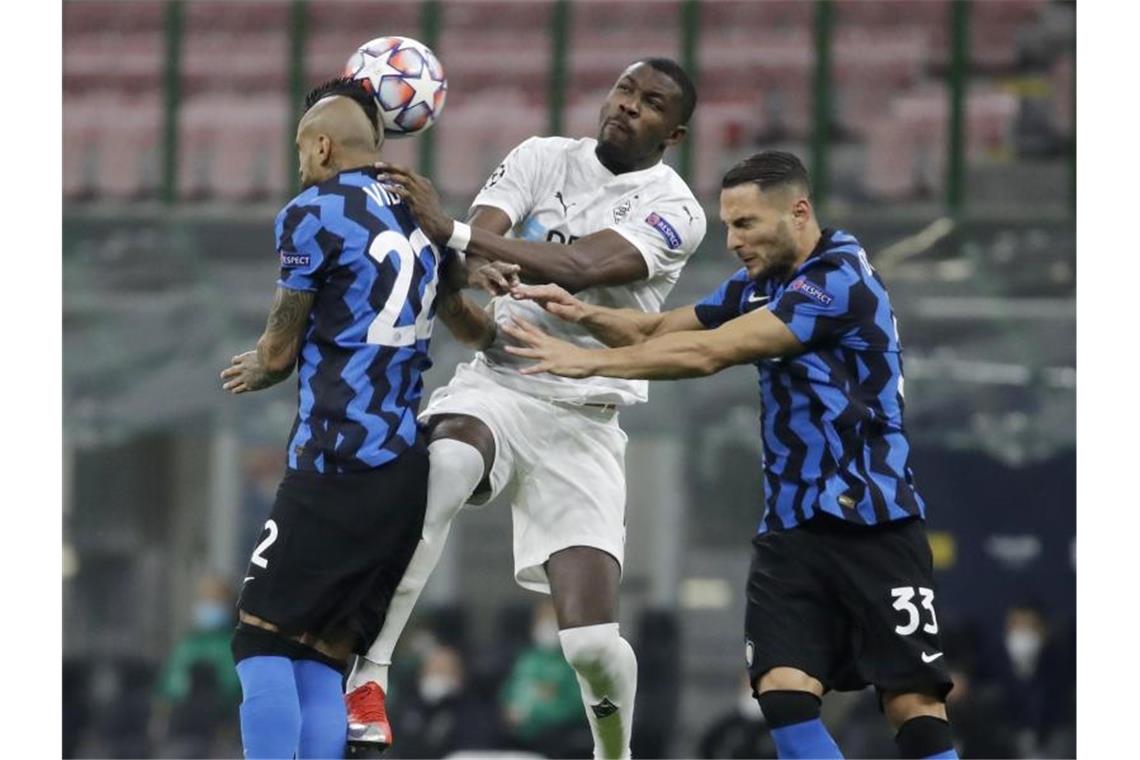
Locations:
(406, 79)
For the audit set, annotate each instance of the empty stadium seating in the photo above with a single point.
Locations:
(756, 69)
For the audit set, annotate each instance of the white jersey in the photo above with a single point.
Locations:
(556, 189)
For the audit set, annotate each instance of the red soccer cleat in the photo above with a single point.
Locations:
(368, 717)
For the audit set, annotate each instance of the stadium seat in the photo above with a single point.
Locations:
(118, 15)
(131, 61)
(748, 15)
(906, 150)
(475, 136)
(233, 147)
(250, 62)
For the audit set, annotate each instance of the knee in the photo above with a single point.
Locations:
(788, 679)
(900, 708)
(466, 429)
(590, 649)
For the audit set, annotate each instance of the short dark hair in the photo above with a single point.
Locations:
(673, 70)
(771, 168)
(354, 89)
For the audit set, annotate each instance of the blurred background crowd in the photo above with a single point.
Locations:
(940, 132)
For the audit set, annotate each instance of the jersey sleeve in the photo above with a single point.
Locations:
(723, 304)
(512, 186)
(817, 304)
(667, 234)
(304, 247)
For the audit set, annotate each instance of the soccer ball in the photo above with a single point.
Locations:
(405, 78)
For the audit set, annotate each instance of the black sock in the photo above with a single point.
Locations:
(924, 736)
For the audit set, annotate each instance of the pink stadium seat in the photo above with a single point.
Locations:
(908, 145)
(475, 136)
(472, 15)
(80, 132)
(117, 15)
(494, 60)
(243, 61)
(365, 20)
(870, 67)
(129, 148)
(893, 13)
(776, 15)
(248, 16)
(607, 17)
(131, 61)
(233, 147)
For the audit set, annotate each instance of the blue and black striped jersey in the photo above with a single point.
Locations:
(832, 420)
(374, 274)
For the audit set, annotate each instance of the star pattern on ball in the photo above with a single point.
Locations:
(425, 87)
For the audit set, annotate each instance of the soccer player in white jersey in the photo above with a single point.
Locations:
(606, 219)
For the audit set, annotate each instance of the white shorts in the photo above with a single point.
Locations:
(562, 467)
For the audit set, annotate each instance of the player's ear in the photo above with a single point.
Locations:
(801, 211)
(677, 135)
(324, 150)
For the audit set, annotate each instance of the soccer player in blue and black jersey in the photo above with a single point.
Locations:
(841, 588)
(353, 312)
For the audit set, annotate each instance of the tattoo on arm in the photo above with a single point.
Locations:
(290, 311)
(277, 349)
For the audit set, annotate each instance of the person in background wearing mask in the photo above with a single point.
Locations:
(741, 732)
(441, 717)
(540, 699)
(198, 689)
(1032, 680)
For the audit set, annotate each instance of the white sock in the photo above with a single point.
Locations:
(607, 673)
(455, 469)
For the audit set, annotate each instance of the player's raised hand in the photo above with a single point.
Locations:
(496, 277)
(420, 194)
(554, 356)
(554, 298)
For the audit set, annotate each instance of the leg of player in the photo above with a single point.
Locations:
(584, 585)
(919, 720)
(791, 700)
(291, 700)
(461, 453)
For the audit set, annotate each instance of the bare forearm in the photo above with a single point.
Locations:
(619, 327)
(538, 261)
(471, 325)
(274, 364)
(669, 357)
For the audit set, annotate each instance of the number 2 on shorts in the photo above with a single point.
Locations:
(257, 558)
(903, 603)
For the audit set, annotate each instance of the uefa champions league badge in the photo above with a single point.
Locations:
(814, 292)
(658, 223)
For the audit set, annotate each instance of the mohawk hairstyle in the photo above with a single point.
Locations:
(349, 88)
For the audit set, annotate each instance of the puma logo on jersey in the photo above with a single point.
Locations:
(565, 206)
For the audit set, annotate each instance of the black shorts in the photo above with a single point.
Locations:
(335, 547)
(849, 605)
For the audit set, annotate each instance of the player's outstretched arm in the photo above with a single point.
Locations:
(471, 325)
(757, 335)
(276, 353)
(614, 327)
(603, 258)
